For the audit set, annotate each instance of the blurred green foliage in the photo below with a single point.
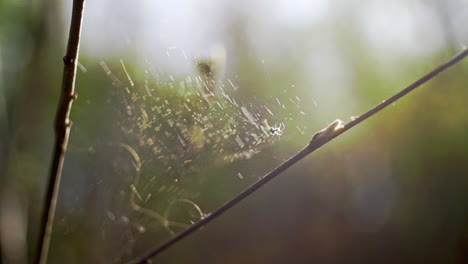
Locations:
(392, 190)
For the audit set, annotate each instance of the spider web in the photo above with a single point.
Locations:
(173, 150)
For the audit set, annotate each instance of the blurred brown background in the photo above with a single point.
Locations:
(392, 190)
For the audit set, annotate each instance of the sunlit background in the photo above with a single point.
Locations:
(183, 104)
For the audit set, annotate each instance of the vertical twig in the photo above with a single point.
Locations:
(62, 129)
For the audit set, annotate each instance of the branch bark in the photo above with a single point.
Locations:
(323, 138)
(62, 127)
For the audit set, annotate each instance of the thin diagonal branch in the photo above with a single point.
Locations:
(62, 131)
(311, 147)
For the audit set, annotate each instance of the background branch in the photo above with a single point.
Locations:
(311, 147)
(62, 129)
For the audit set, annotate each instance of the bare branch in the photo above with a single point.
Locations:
(62, 130)
(319, 139)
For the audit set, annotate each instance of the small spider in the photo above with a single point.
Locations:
(277, 130)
